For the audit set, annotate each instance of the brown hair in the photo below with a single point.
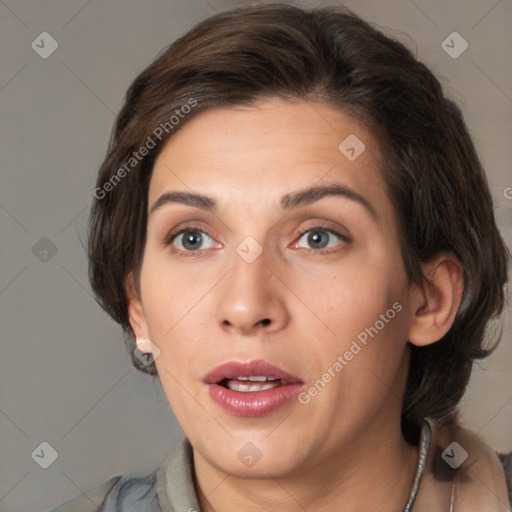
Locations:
(434, 178)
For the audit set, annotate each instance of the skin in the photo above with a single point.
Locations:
(204, 307)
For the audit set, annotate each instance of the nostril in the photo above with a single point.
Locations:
(263, 322)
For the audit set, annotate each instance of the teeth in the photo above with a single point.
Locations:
(236, 385)
(256, 378)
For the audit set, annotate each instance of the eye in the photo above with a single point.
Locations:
(319, 238)
(192, 240)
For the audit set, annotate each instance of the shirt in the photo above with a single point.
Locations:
(171, 488)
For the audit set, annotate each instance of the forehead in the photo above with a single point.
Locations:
(251, 156)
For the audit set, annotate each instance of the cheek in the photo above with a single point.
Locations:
(360, 309)
(170, 295)
(179, 307)
(353, 293)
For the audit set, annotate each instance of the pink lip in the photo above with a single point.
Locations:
(257, 403)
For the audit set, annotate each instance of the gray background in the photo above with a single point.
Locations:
(65, 377)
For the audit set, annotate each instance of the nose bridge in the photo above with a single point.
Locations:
(249, 299)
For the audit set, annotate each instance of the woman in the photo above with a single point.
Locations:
(294, 231)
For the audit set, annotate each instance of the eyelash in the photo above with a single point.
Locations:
(169, 239)
(328, 229)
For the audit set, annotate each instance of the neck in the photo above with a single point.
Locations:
(374, 472)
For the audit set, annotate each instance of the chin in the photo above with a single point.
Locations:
(252, 456)
(275, 465)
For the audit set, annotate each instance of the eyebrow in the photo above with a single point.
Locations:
(187, 198)
(289, 201)
(313, 194)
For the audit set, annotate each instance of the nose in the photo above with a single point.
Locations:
(252, 299)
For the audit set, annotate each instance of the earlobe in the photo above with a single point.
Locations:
(136, 313)
(435, 304)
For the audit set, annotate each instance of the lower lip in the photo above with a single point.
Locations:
(253, 403)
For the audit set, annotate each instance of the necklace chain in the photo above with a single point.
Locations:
(453, 495)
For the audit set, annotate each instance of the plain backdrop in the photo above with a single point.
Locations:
(66, 378)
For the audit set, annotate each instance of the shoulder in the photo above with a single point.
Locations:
(506, 462)
(118, 494)
(481, 477)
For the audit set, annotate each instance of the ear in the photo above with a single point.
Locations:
(136, 312)
(435, 304)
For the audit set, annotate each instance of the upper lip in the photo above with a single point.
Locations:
(233, 369)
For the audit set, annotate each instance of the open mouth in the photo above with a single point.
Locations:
(251, 388)
(251, 384)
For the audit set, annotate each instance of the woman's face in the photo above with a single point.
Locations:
(272, 254)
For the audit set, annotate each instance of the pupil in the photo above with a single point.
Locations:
(317, 239)
(192, 240)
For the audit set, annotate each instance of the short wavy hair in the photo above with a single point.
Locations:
(433, 175)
